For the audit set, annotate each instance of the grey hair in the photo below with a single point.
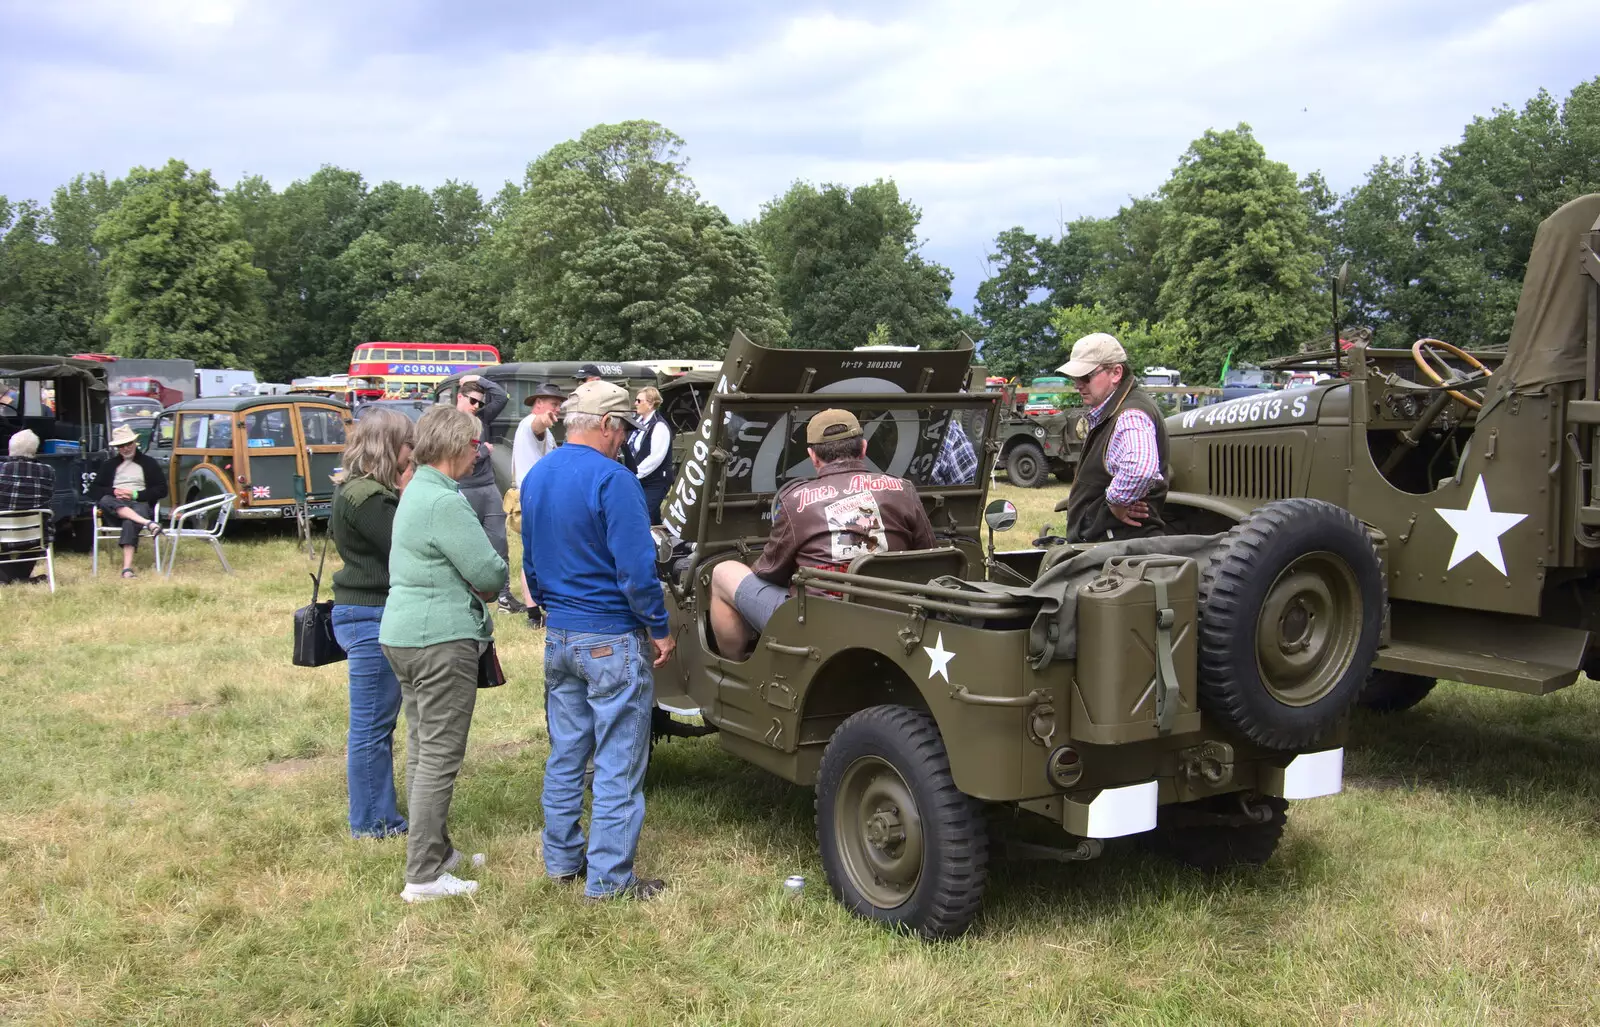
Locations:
(574, 420)
(25, 443)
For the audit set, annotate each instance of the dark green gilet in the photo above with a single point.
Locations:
(1089, 519)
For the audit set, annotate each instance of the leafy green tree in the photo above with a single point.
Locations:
(1149, 343)
(181, 282)
(612, 255)
(1017, 336)
(846, 260)
(1238, 250)
(52, 291)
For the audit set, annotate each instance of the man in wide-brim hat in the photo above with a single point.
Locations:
(126, 488)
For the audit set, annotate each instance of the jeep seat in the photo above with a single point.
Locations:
(914, 565)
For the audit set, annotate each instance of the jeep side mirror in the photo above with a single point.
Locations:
(1000, 515)
(663, 540)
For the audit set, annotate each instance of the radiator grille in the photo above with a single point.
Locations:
(1250, 470)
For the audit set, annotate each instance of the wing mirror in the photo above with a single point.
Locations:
(663, 540)
(1000, 515)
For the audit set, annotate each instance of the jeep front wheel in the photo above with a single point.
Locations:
(1390, 691)
(900, 843)
(1025, 466)
(1220, 833)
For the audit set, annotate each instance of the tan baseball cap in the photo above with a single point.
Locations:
(601, 398)
(1092, 351)
(831, 426)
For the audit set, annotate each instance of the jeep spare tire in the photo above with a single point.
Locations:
(1291, 607)
(1025, 465)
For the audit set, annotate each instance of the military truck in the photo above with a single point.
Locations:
(1094, 691)
(1474, 473)
(64, 401)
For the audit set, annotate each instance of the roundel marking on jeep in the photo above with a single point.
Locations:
(765, 476)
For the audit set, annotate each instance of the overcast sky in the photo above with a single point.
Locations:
(988, 114)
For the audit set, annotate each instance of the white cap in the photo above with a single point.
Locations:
(1092, 351)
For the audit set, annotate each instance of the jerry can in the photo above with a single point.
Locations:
(1137, 635)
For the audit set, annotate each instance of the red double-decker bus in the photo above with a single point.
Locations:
(409, 370)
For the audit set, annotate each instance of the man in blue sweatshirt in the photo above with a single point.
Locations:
(591, 566)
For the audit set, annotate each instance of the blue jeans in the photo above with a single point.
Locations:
(374, 709)
(598, 690)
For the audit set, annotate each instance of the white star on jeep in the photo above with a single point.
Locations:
(1478, 529)
(939, 658)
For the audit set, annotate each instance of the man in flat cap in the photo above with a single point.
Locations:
(1122, 478)
(846, 511)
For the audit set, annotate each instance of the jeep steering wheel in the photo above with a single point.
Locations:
(1428, 352)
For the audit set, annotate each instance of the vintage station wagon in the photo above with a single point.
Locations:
(263, 449)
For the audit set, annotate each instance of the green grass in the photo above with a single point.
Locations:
(173, 851)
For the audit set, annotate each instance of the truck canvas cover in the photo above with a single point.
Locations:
(1548, 340)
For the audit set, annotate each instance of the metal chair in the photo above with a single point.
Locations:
(113, 533)
(30, 530)
(213, 508)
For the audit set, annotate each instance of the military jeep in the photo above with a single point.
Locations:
(1089, 692)
(1475, 471)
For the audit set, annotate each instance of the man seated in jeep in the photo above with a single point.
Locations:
(847, 510)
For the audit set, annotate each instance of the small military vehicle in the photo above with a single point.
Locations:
(1474, 473)
(1153, 688)
(64, 401)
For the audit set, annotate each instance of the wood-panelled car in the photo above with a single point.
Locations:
(254, 447)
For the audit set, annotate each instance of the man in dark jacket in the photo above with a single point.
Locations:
(127, 488)
(846, 511)
(484, 399)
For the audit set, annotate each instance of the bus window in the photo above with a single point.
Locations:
(458, 355)
(393, 354)
(425, 354)
(409, 354)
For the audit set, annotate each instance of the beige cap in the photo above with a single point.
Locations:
(601, 398)
(831, 426)
(1092, 351)
(122, 436)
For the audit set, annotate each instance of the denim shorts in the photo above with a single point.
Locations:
(756, 599)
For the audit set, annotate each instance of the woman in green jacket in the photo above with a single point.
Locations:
(442, 568)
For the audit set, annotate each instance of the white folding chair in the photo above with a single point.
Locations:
(28, 529)
(113, 534)
(214, 509)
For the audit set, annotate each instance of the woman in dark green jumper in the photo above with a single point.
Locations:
(377, 465)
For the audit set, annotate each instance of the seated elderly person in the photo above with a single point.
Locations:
(25, 484)
(846, 511)
(126, 488)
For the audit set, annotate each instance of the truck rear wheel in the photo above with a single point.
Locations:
(1291, 607)
(1390, 691)
(1182, 833)
(900, 843)
(1025, 465)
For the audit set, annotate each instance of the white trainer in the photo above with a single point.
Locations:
(445, 887)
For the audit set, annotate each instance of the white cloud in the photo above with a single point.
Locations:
(987, 115)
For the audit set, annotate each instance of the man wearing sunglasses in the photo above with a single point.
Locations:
(483, 398)
(1122, 479)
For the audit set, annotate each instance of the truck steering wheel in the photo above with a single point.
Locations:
(1428, 352)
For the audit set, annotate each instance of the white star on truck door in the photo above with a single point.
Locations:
(1478, 529)
(939, 658)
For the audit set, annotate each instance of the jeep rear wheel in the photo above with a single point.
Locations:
(1390, 691)
(1228, 840)
(900, 843)
(1291, 606)
(1025, 465)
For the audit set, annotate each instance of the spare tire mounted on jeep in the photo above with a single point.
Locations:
(1291, 609)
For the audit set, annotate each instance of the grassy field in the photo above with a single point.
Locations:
(173, 851)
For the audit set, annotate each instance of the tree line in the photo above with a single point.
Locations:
(605, 250)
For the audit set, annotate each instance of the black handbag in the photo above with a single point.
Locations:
(314, 644)
(490, 674)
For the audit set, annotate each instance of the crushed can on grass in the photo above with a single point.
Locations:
(794, 884)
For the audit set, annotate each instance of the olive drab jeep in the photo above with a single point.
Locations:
(1091, 690)
(1474, 473)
